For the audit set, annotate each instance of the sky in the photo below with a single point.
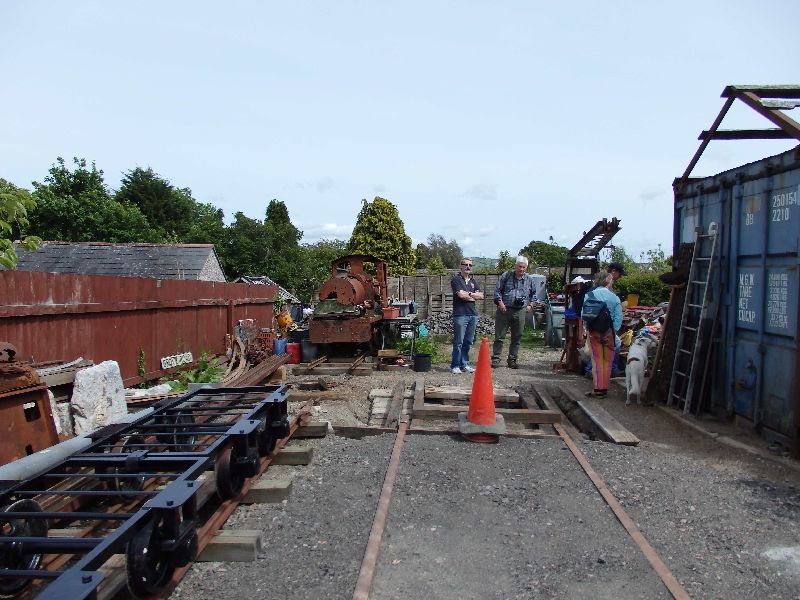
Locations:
(490, 123)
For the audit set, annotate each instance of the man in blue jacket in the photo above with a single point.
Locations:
(514, 295)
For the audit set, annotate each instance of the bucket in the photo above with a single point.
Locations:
(293, 350)
(279, 346)
(308, 350)
(422, 363)
(633, 300)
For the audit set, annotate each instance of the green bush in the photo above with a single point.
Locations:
(555, 282)
(649, 287)
(422, 345)
(206, 371)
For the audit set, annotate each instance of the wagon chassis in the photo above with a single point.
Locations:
(134, 491)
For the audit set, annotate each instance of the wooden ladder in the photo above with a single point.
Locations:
(698, 294)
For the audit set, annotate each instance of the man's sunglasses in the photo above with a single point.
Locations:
(466, 265)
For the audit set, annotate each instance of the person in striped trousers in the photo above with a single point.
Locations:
(602, 342)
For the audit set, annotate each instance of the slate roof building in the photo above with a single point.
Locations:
(197, 262)
(283, 293)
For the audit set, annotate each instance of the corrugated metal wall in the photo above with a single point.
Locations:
(56, 316)
(757, 376)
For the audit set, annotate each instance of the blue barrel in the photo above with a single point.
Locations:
(279, 346)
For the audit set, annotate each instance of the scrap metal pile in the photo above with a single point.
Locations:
(134, 491)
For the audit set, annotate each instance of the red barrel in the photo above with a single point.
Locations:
(293, 350)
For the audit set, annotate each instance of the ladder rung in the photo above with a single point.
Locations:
(679, 397)
(698, 282)
(689, 328)
(681, 373)
(695, 305)
(685, 351)
(702, 258)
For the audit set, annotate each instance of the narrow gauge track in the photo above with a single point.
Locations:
(135, 491)
(368, 565)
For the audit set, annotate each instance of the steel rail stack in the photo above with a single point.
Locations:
(134, 491)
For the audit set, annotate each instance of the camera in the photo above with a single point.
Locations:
(518, 303)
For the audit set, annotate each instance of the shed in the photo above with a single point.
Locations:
(197, 262)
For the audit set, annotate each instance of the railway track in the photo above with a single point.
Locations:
(137, 491)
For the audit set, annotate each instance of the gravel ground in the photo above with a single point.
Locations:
(520, 519)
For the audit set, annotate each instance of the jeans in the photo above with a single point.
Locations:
(513, 318)
(463, 338)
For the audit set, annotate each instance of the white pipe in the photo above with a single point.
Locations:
(39, 462)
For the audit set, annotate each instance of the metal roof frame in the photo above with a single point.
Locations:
(767, 100)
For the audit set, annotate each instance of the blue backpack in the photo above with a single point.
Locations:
(595, 314)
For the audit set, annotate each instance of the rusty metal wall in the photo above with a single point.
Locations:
(56, 316)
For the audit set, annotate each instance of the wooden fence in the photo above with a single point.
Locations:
(145, 325)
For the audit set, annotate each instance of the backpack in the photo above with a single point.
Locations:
(596, 315)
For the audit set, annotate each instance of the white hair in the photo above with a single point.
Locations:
(521, 260)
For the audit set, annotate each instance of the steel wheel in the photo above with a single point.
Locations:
(10, 557)
(229, 482)
(125, 484)
(174, 437)
(148, 567)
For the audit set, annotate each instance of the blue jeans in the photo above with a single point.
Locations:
(463, 337)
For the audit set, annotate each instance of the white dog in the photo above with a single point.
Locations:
(641, 347)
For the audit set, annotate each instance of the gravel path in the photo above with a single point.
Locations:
(520, 519)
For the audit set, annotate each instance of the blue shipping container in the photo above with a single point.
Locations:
(756, 371)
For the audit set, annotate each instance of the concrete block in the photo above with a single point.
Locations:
(294, 455)
(268, 491)
(98, 397)
(312, 430)
(232, 546)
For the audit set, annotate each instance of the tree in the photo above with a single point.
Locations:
(76, 206)
(208, 226)
(281, 245)
(544, 254)
(15, 203)
(618, 254)
(241, 252)
(169, 210)
(380, 232)
(435, 266)
(655, 261)
(505, 262)
(450, 252)
(271, 247)
(315, 265)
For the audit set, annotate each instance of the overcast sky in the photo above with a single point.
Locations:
(491, 123)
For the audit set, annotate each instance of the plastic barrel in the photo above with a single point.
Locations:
(422, 363)
(293, 350)
(308, 350)
(279, 346)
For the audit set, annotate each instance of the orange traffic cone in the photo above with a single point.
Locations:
(481, 423)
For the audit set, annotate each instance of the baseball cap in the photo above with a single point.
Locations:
(615, 266)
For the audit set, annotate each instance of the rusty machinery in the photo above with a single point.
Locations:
(26, 418)
(351, 303)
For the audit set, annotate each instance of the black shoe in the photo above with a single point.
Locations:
(495, 362)
(512, 364)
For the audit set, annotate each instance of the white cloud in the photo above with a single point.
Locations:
(318, 231)
(324, 184)
(482, 191)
